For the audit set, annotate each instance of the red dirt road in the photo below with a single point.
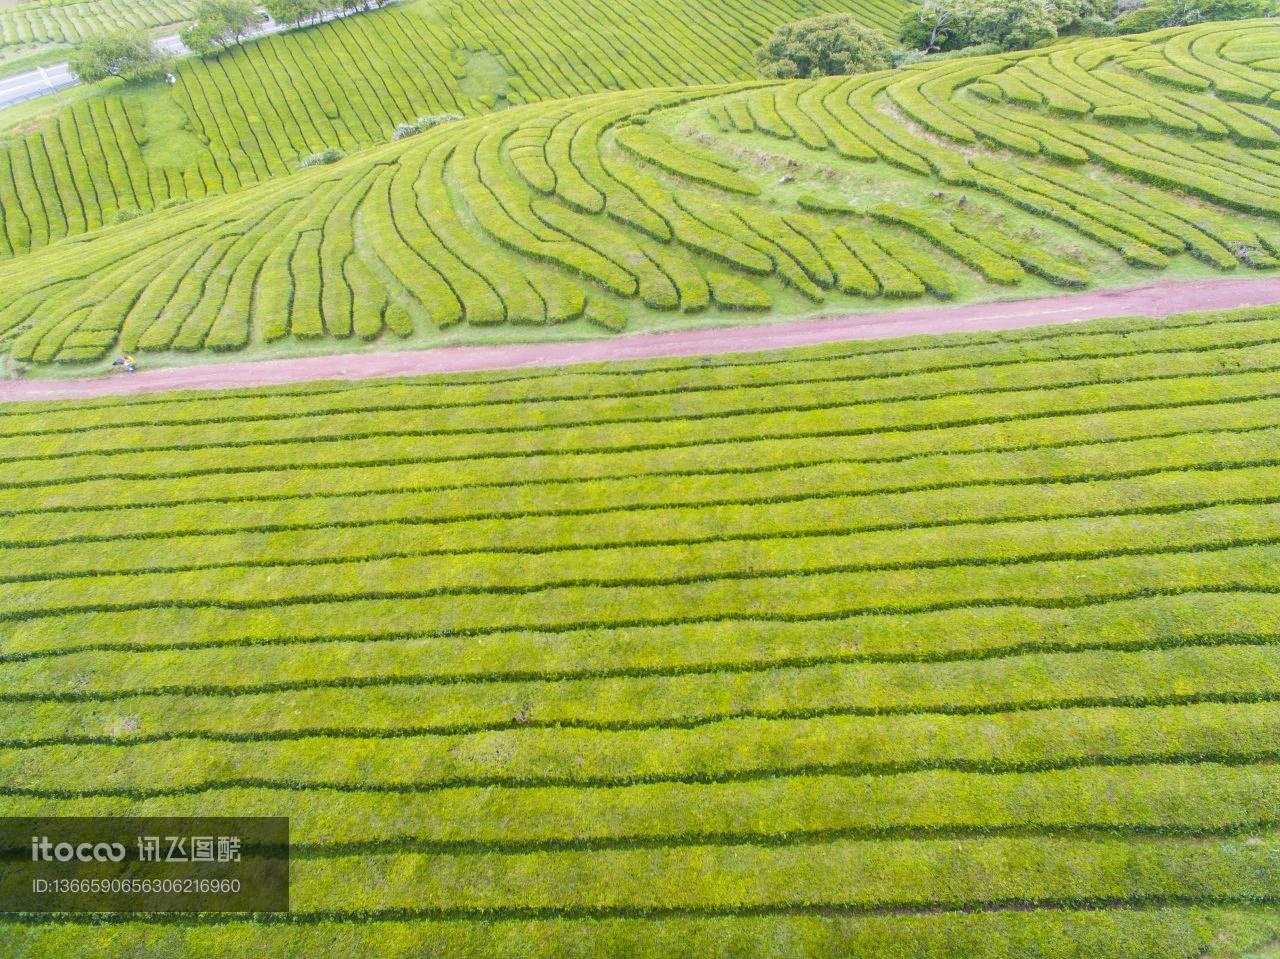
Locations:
(1156, 300)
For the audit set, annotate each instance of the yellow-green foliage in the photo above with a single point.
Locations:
(62, 22)
(256, 110)
(967, 645)
(542, 213)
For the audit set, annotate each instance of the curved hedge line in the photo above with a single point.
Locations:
(563, 212)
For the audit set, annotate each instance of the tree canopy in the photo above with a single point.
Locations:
(937, 25)
(822, 46)
(1182, 13)
(1012, 24)
(127, 53)
(292, 12)
(940, 25)
(220, 23)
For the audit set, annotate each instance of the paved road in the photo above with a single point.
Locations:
(45, 80)
(1157, 299)
(35, 83)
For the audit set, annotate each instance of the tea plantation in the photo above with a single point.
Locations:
(44, 24)
(1096, 160)
(257, 110)
(962, 646)
(947, 647)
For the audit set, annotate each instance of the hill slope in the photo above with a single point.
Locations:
(1057, 167)
(253, 112)
(965, 647)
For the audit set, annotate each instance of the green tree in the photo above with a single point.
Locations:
(220, 23)
(821, 47)
(1068, 14)
(127, 53)
(1013, 24)
(1182, 13)
(292, 12)
(1236, 9)
(937, 25)
(200, 38)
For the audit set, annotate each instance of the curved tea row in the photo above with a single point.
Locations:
(746, 197)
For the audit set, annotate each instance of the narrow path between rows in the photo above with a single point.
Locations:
(1155, 300)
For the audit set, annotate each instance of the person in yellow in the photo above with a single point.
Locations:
(127, 362)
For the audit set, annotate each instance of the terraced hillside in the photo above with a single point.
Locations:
(255, 111)
(1050, 168)
(957, 647)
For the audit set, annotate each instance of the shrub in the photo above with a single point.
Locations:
(830, 45)
(1141, 20)
(735, 292)
(973, 50)
(604, 314)
(905, 56)
(1095, 27)
(324, 157)
(414, 127)
(1181, 13)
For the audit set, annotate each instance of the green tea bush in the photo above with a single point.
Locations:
(527, 216)
(225, 124)
(573, 659)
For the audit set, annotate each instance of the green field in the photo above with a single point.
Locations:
(255, 111)
(1096, 161)
(962, 646)
(45, 26)
(954, 647)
